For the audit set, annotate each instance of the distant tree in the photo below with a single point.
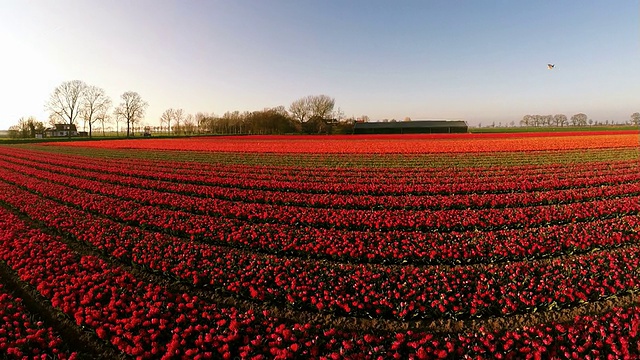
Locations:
(513, 123)
(364, 118)
(201, 120)
(537, 120)
(301, 109)
(407, 119)
(175, 116)
(268, 121)
(165, 119)
(95, 102)
(14, 132)
(26, 128)
(189, 124)
(590, 122)
(118, 117)
(103, 118)
(579, 119)
(232, 122)
(635, 118)
(131, 109)
(66, 101)
(560, 119)
(317, 107)
(206, 122)
(527, 120)
(178, 118)
(338, 115)
(280, 110)
(321, 106)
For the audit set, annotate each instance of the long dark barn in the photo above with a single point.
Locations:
(412, 127)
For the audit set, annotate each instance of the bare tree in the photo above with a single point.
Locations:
(131, 109)
(178, 119)
(579, 119)
(280, 110)
(201, 120)
(338, 115)
(189, 124)
(26, 128)
(65, 102)
(165, 119)
(95, 102)
(560, 119)
(103, 118)
(321, 105)
(54, 119)
(313, 107)
(527, 120)
(635, 118)
(205, 122)
(118, 117)
(300, 109)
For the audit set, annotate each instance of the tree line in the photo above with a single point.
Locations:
(313, 114)
(560, 120)
(75, 101)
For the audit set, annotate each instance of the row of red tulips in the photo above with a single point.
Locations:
(353, 246)
(23, 336)
(401, 170)
(403, 144)
(188, 194)
(476, 184)
(403, 175)
(148, 321)
(379, 291)
(439, 220)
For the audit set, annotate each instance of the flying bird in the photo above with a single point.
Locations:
(550, 66)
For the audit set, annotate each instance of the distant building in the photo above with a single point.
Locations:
(61, 130)
(412, 127)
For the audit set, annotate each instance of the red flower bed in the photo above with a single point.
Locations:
(147, 321)
(350, 247)
(23, 338)
(413, 144)
(361, 246)
(597, 180)
(354, 290)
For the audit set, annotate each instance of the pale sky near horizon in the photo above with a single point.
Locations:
(480, 61)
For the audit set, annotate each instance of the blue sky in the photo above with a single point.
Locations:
(481, 61)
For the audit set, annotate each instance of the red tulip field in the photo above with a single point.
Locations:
(497, 246)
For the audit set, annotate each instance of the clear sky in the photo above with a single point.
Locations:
(476, 60)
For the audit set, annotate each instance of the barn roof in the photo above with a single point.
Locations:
(62, 127)
(413, 124)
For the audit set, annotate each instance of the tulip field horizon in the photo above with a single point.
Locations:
(496, 246)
